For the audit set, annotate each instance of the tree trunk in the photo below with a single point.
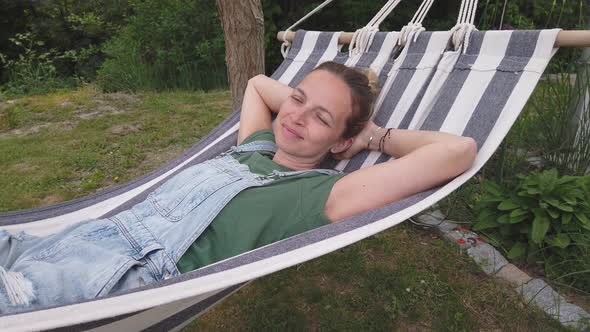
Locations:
(243, 30)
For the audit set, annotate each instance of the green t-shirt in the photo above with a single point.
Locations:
(261, 215)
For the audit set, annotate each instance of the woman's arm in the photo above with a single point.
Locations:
(263, 95)
(424, 159)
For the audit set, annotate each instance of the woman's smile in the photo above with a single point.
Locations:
(290, 133)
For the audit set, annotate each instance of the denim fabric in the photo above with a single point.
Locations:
(131, 249)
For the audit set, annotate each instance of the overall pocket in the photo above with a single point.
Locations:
(178, 196)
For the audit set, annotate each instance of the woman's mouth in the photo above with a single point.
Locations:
(290, 133)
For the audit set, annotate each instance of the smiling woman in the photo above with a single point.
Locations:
(329, 112)
(265, 189)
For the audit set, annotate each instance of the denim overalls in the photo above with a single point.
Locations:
(131, 249)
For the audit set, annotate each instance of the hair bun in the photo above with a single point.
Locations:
(373, 80)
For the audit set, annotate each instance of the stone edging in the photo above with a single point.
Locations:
(534, 290)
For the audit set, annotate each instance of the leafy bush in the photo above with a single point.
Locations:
(543, 217)
(33, 71)
(166, 45)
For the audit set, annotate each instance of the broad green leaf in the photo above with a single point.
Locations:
(566, 218)
(582, 218)
(553, 213)
(492, 188)
(518, 215)
(540, 226)
(517, 250)
(518, 212)
(507, 205)
(560, 240)
(567, 179)
(559, 205)
(533, 191)
(504, 219)
(569, 199)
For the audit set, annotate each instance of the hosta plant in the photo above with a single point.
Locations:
(542, 214)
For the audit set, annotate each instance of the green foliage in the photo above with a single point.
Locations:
(33, 71)
(557, 118)
(166, 45)
(545, 216)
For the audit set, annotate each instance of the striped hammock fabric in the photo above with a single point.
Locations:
(475, 92)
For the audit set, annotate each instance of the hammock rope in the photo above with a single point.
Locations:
(287, 44)
(415, 25)
(464, 27)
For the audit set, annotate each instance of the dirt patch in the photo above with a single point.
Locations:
(51, 199)
(24, 132)
(64, 125)
(125, 129)
(121, 97)
(101, 110)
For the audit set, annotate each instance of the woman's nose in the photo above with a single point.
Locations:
(299, 117)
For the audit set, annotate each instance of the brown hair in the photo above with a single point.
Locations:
(362, 91)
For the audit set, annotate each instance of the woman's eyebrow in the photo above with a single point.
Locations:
(298, 89)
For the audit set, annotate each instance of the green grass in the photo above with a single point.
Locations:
(402, 279)
(65, 145)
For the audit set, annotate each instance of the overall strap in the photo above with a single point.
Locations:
(278, 174)
(266, 146)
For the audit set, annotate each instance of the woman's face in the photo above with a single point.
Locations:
(311, 121)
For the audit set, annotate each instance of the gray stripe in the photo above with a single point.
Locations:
(453, 84)
(413, 57)
(320, 47)
(520, 49)
(368, 57)
(93, 324)
(295, 48)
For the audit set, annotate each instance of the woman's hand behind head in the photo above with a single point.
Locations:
(360, 141)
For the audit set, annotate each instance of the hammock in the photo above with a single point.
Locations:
(477, 90)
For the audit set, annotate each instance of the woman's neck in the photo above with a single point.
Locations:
(294, 163)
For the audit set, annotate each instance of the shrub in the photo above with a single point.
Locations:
(32, 71)
(544, 216)
(166, 45)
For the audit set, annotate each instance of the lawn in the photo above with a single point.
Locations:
(70, 144)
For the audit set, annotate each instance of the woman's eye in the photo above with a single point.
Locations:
(322, 120)
(297, 99)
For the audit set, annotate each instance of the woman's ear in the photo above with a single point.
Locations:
(342, 145)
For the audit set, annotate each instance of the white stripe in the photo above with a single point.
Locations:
(332, 50)
(384, 52)
(307, 46)
(444, 68)
(493, 48)
(55, 224)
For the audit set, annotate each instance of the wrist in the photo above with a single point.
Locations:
(372, 136)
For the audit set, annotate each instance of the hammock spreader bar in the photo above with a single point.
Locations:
(565, 38)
